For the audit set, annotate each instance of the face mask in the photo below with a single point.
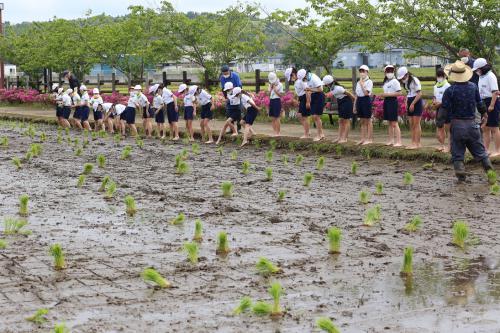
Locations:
(226, 76)
(440, 79)
(390, 76)
(465, 59)
(309, 76)
(363, 75)
(133, 93)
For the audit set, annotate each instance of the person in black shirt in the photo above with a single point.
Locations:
(73, 81)
(466, 58)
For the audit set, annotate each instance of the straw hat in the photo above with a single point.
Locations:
(458, 72)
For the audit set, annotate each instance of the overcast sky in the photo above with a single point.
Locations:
(17, 11)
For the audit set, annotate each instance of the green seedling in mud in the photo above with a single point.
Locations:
(43, 137)
(281, 195)
(60, 328)
(269, 156)
(274, 144)
(334, 237)
(4, 142)
(244, 306)
(266, 268)
(257, 143)
(78, 151)
(104, 183)
(151, 275)
(102, 134)
(117, 138)
(292, 146)
(428, 166)
(76, 142)
(234, 155)
(407, 262)
(3, 244)
(275, 291)
(185, 141)
(415, 224)
(308, 178)
(284, 158)
(354, 168)
(184, 154)
(66, 130)
(57, 253)
(85, 143)
(338, 150)
(110, 190)
(492, 176)
(23, 205)
(87, 168)
(198, 231)
(17, 162)
(222, 243)
(269, 174)
(379, 188)
(408, 179)
(460, 233)
(101, 161)
(321, 163)
(178, 160)
(372, 216)
(262, 308)
(325, 324)
(179, 219)
(68, 140)
(238, 141)
(81, 180)
(12, 226)
(227, 189)
(94, 136)
(245, 167)
(182, 168)
(126, 152)
(364, 197)
(28, 156)
(191, 249)
(299, 159)
(495, 189)
(59, 139)
(220, 150)
(39, 317)
(131, 209)
(195, 148)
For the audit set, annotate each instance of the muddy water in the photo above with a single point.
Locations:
(361, 289)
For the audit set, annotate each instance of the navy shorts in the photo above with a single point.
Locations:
(345, 107)
(275, 108)
(78, 111)
(188, 113)
(206, 112)
(149, 114)
(302, 106)
(251, 115)
(317, 103)
(493, 116)
(364, 107)
(84, 113)
(128, 115)
(417, 109)
(160, 116)
(172, 115)
(234, 112)
(66, 112)
(59, 111)
(98, 115)
(391, 109)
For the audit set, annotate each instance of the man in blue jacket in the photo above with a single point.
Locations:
(228, 75)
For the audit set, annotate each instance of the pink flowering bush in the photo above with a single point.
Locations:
(115, 98)
(378, 107)
(23, 96)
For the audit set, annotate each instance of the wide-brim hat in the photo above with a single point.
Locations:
(458, 72)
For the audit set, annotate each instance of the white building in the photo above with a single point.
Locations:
(10, 70)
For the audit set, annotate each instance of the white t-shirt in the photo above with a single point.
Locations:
(142, 100)
(314, 82)
(76, 99)
(439, 92)
(189, 100)
(204, 97)
(245, 100)
(106, 107)
(119, 108)
(234, 100)
(66, 99)
(487, 85)
(132, 101)
(392, 86)
(300, 88)
(273, 94)
(168, 96)
(368, 87)
(157, 102)
(84, 100)
(95, 102)
(338, 92)
(414, 87)
(59, 99)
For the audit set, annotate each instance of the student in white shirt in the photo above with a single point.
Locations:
(58, 94)
(275, 110)
(112, 116)
(189, 107)
(172, 110)
(207, 114)
(95, 102)
(300, 90)
(414, 104)
(128, 116)
(158, 109)
(442, 129)
(315, 99)
(392, 89)
(84, 108)
(345, 105)
(251, 113)
(67, 103)
(233, 111)
(75, 120)
(488, 90)
(363, 105)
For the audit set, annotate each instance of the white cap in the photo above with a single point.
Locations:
(138, 87)
(69, 91)
(388, 66)
(182, 87)
(288, 74)
(153, 88)
(236, 91)
(228, 86)
(95, 91)
(364, 67)
(272, 77)
(479, 63)
(327, 80)
(192, 90)
(83, 88)
(55, 85)
(402, 71)
(301, 74)
(60, 90)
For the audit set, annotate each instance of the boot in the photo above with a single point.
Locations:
(486, 164)
(460, 170)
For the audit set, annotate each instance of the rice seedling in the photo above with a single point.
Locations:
(269, 156)
(266, 268)
(354, 168)
(23, 205)
(238, 141)
(103, 134)
(366, 153)
(198, 230)
(131, 209)
(495, 189)
(182, 168)
(87, 168)
(81, 180)
(275, 290)
(273, 143)
(43, 137)
(68, 140)
(101, 161)
(185, 141)
(292, 146)
(372, 216)
(257, 143)
(338, 150)
(104, 183)
(60, 328)
(178, 160)
(492, 176)
(17, 162)
(408, 179)
(78, 151)
(59, 138)
(220, 150)
(66, 130)
(308, 178)
(415, 224)
(179, 219)
(428, 166)
(4, 141)
(262, 308)
(379, 188)
(57, 253)
(110, 190)
(234, 155)
(117, 138)
(460, 233)
(269, 174)
(76, 142)
(244, 306)
(12, 226)
(321, 163)
(281, 195)
(28, 156)
(407, 269)
(184, 154)
(222, 243)
(245, 167)
(38, 317)
(325, 324)
(126, 152)
(334, 237)
(284, 158)
(191, 249)
(299, 159)
(151, 275)
(227, 189)
(3, 244)
(94, 136)
(195, 148)
(364, 197)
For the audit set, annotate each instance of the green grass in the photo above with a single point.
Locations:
(39, 317)
(81, 180)
(101, 161)
(269, 173)
(198, 230)
(320, 164)
(234, 155)
(126, 152)
(17, 162)
(299, 159)
(78, 151)
(325, 324)
(379, 188)
(191, 249)
(12, 226)
(110, 190)
(4, 142)
(58, 254)
(60, 328)
(262, 308)
(495, 189)
(3, 244)
(266, 268)
(415, 224)
(87, 168)
(131, 209)
(492, 176)
(275, 290)
(354, 168)
(372, 216)
(152, 276)
(23, 205)
(460, 233)
(222, 243)
(269, 156)
(179, 219)
(364, 197)
(245, 167)
(334, 236)
(408, 179)
(227, 189)
(281, 195)
(244, 306)
(407, 262)
(182, 168)
(195, 148)
(284, 158)
(104, 183)
(308, 178)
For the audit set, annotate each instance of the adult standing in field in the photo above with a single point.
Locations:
(300, 90)
(414, 105)
(73, 81)
(227, 75)
(363, 105)
(467, 59)
(460, 102)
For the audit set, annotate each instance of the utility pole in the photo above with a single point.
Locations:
(2, 74)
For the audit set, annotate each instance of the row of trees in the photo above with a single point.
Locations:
(314, 35)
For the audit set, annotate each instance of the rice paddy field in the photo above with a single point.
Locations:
(196, 238)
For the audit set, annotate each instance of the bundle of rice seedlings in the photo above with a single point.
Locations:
(151, 275)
